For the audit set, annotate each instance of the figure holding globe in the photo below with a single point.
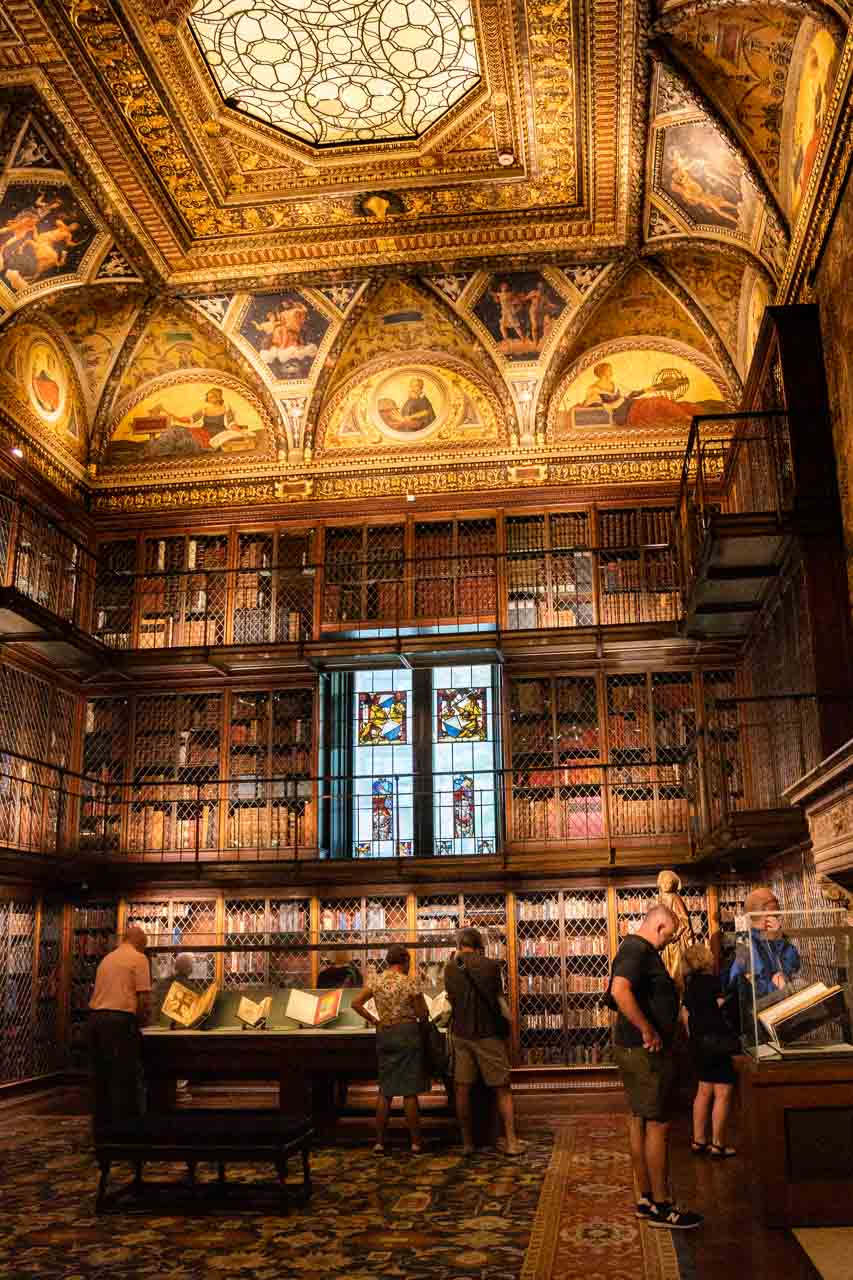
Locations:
(660, 404)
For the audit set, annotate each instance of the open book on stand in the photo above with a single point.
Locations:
(188, 1008)
(253, 1013)
(805, 1011)
(313, 1010)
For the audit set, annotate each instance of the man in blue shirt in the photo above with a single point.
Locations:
(775, 960)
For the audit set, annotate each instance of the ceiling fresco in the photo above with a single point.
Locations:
(332, 249)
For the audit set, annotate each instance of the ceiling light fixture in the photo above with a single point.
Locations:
(17, 451)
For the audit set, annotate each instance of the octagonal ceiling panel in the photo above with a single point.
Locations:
(332, 71)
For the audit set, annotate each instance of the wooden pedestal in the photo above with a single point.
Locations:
(798, 1122)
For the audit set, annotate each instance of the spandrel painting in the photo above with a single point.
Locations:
(705, 180)
(46, 380)
(382, 718)
(194, 420)
(809, 96)
(286, 331)
(44, 233)
(636, 390)
(411, 405)
(519, 309)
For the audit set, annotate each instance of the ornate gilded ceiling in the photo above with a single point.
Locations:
(325, 248)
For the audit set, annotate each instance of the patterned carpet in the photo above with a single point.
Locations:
(560, 1211)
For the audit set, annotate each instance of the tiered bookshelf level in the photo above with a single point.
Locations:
(17, 938)
(106, 733)
(47, 1045)
(112, 618)
(183, 593)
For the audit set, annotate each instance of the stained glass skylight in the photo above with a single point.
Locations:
(332, 71)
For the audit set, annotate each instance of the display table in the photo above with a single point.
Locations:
(797, 1117)
(304, 1063)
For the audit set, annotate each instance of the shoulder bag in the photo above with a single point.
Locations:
(499, 1011)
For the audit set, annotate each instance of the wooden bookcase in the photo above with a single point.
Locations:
(454, 572)
(270, 764)
(363, 576)
(549, 571)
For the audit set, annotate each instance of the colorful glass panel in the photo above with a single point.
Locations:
(382, 718)
(461, 715)
(383, 791)
(404, 848)
(463, 805)
(340, 71)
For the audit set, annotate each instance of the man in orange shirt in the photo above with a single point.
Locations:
(119, 1006)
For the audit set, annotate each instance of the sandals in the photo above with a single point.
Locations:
(378, 1149)
(698, 1148)
(718, 1152)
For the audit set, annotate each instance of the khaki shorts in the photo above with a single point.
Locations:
(648, 1079)
(488, 1058)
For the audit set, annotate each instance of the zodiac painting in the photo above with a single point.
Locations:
(46, 380)
(461, 715)
(635, 390)
(43, 233)
(519, 310)
(382, 719)
(186, 421)
(286, 331)
(705, 180)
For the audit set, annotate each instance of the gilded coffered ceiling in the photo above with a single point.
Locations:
(436, 240)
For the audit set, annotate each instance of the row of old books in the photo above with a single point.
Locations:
(632, 528)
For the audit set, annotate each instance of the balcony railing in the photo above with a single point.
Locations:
(47, 809)
(751, 749)
(746, 457)
(210, 604)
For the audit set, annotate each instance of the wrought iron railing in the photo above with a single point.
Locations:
(750, 751)
(734, 464)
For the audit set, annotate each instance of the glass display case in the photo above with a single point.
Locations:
(791, 973)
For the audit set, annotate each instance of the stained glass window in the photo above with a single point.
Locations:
(382, 718)
(463, 761)
(332, 71)
(461, 715)
(382, 784)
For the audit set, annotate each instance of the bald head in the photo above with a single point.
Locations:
(659, 926)
(136, 937)
(762, 899)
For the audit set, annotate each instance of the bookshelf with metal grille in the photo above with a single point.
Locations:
(549, 570)
(454, 572)
(113, 606)
(373, 920)
(563, 959)
(555, 743)
(183, 591)
(92, 935)
(176, 767)
(106, 737)
(270, 749)
(273, 587)
(17, 976)
(363, 577)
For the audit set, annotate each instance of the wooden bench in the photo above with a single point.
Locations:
(192, 1137)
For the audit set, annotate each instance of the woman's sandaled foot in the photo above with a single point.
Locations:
(720, 1152)
(698, 1148)
(379, 1149)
